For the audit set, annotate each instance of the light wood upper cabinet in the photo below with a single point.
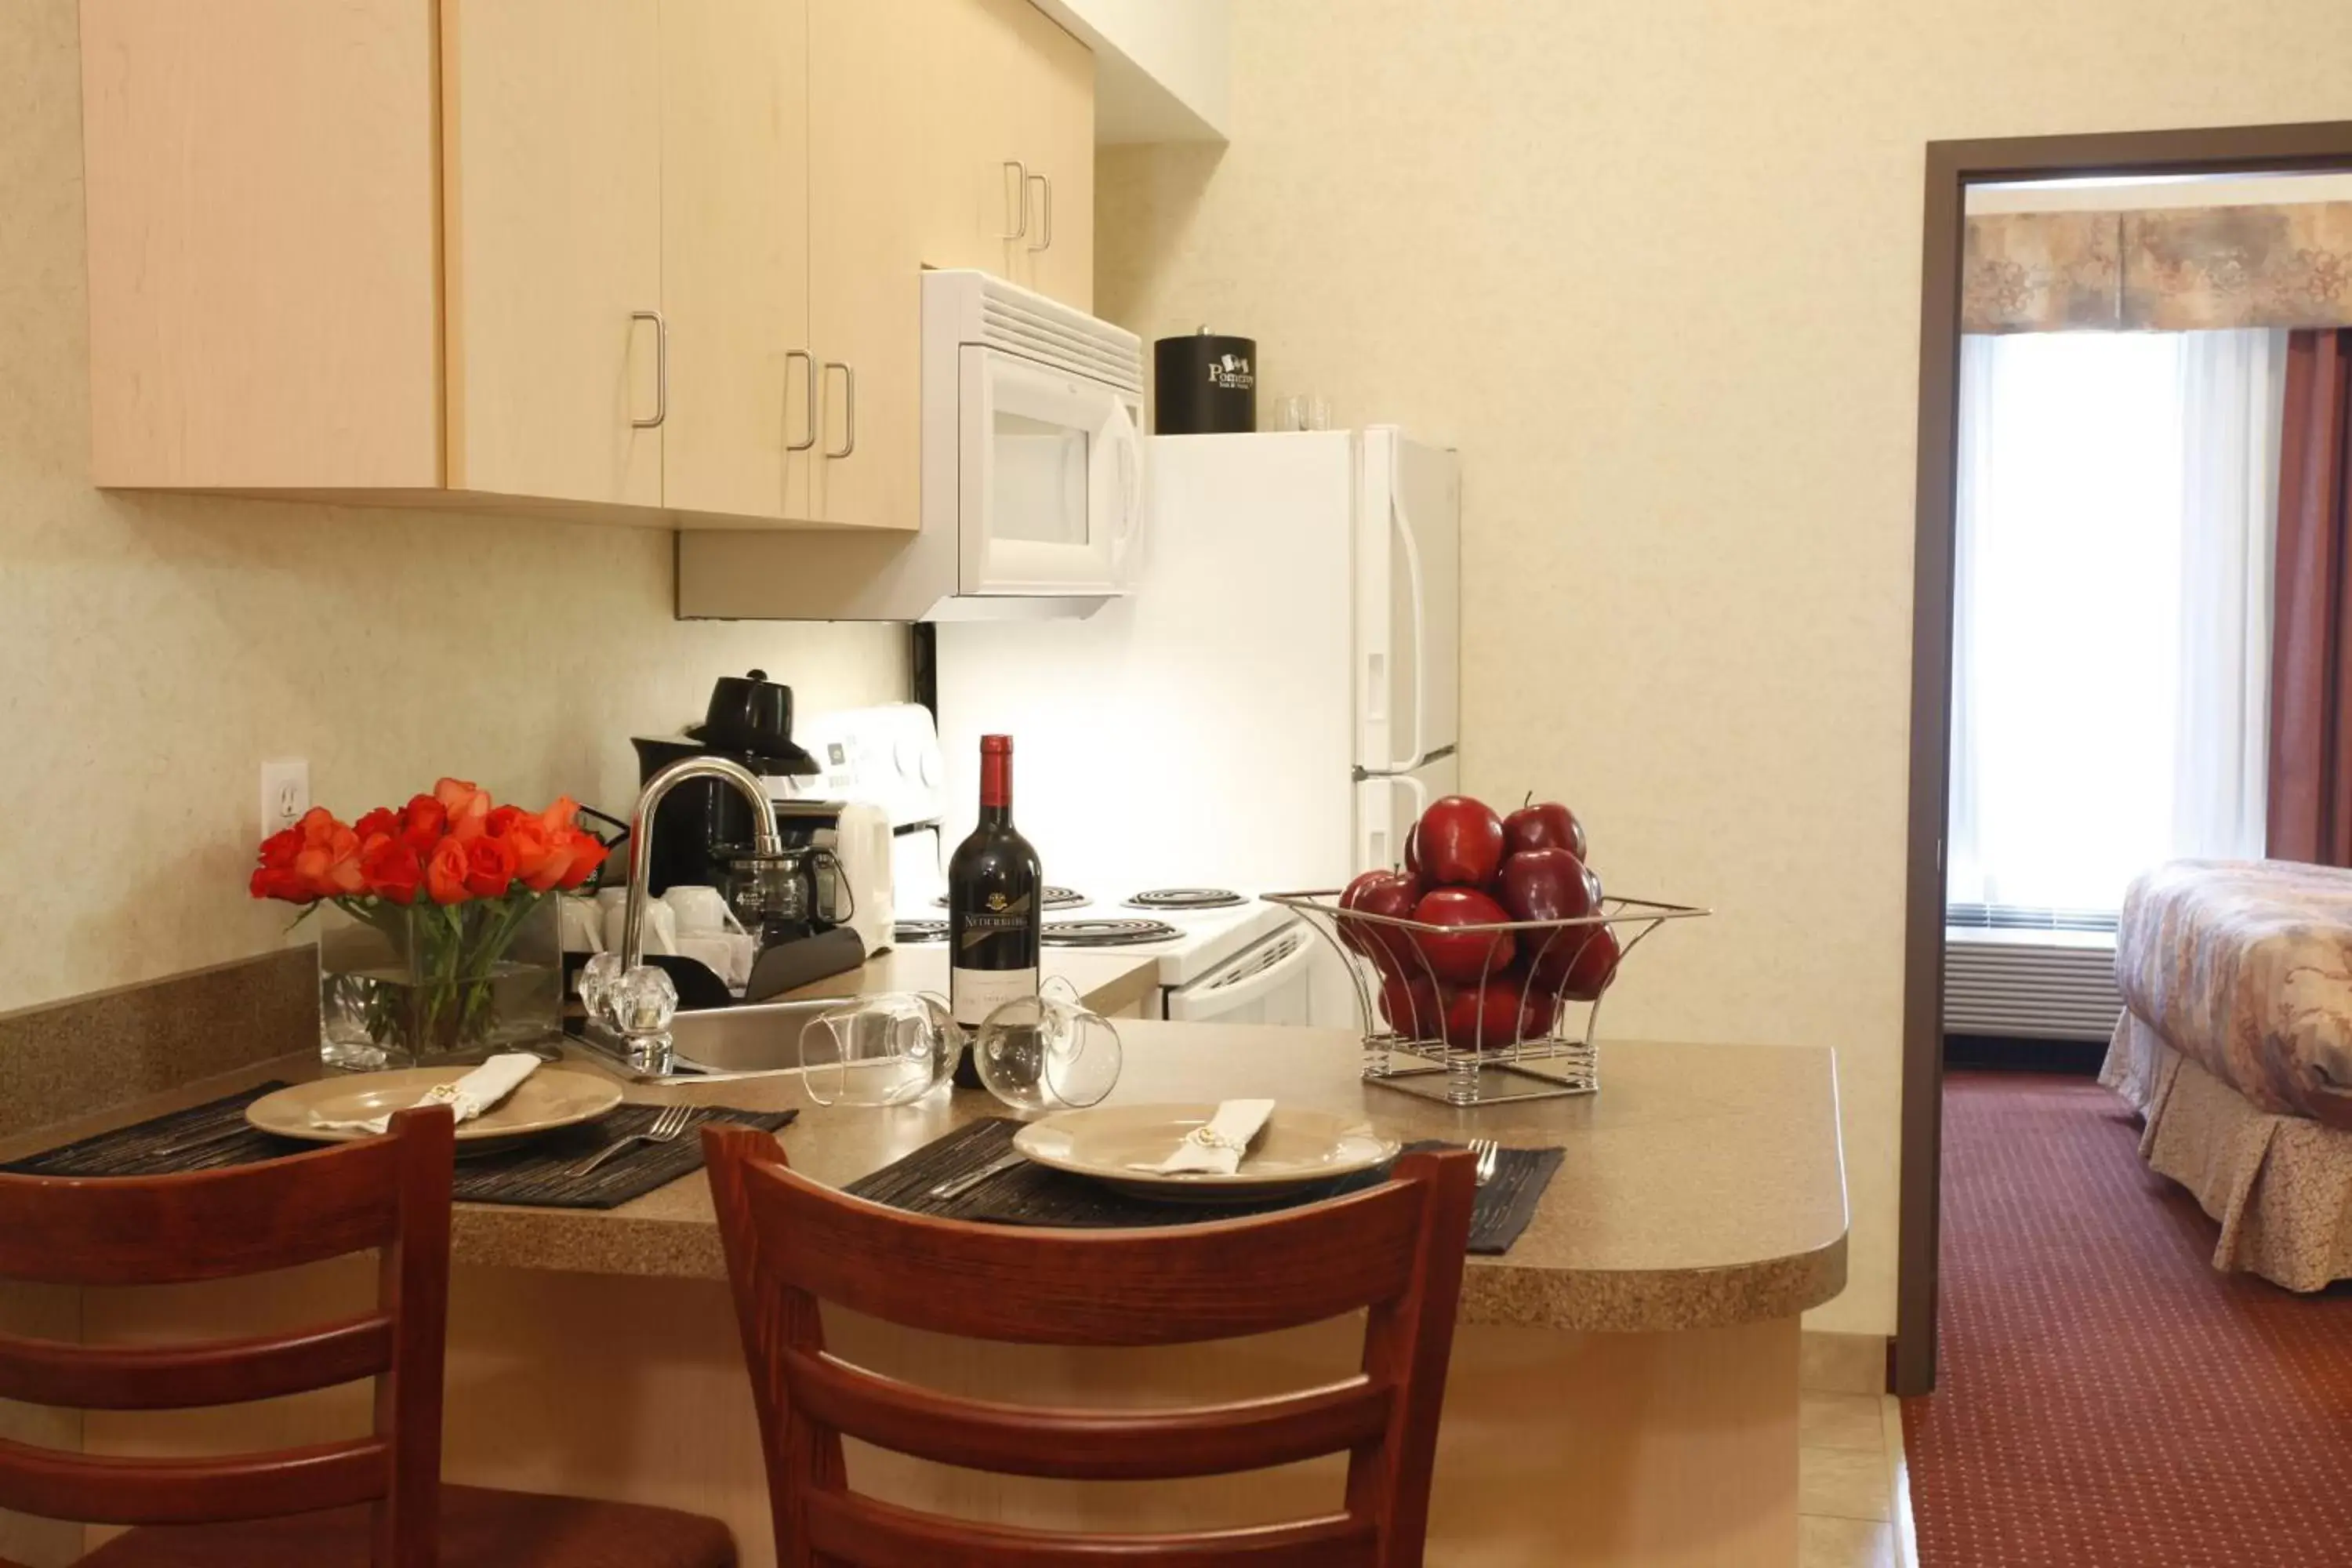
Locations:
(740, 436)
(649, 260)
(264, 291)
(552, 159)
(870, 210)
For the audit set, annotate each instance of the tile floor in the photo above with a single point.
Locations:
(1853, 1502)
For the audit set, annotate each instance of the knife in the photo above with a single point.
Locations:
(956, 1186)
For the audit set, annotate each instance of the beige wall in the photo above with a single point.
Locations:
(1655, 267)
(154, 650)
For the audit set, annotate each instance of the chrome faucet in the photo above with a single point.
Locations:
(766, 837)
(630, 1007)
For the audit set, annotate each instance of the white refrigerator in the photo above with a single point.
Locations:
(1272, 705)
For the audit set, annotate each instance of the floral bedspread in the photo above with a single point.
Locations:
(2246, 967)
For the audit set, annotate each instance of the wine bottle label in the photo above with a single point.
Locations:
(977, 992)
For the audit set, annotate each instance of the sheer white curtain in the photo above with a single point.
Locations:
(2112, 597)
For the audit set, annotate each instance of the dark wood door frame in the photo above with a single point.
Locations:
(1952, 167)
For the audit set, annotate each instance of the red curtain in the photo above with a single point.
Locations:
(2311, 630)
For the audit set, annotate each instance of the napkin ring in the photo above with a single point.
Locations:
(1208, 1137)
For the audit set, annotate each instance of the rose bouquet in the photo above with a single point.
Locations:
(437, 892)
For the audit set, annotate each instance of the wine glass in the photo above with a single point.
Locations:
(1047, 1052)
(880, 1050)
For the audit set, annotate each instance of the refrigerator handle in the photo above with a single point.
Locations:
(1372, 857)
(1404, 526)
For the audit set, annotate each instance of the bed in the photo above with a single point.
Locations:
(2235, 1044)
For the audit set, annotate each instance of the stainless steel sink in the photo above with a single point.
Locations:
(758, 1041)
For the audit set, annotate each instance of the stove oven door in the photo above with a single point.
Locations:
(1268, 983)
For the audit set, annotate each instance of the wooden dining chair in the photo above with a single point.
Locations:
(792, 1243)
(374, 1502)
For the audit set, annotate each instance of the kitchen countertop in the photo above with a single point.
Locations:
(1703, 1187)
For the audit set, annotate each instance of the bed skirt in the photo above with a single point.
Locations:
(2281, 1186)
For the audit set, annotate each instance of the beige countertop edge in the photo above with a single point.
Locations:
(1677, 1092)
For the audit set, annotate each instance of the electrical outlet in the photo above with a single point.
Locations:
(285, 793)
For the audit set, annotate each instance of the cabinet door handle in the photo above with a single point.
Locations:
(661, 369)
(848, 409)
(1020, 173)
(809, 382)
(1045, 218)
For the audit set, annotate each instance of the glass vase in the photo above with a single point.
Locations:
(421, 984)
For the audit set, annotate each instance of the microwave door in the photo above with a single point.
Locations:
(1050, 478)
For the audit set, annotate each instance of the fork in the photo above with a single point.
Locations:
(1489, 1154)
(666, 1128)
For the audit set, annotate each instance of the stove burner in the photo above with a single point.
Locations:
(1186, 899)
(1107, 933)
(919, 931)
(1055, 899)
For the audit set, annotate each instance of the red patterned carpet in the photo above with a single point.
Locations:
(2105, 1399)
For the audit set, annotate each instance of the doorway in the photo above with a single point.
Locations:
(1952, 169)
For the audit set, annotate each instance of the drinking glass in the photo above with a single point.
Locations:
(880, 1050)
(1047, 1052)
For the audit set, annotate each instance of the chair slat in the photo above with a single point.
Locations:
(208, 1225)
(1179, 1285)
(1081, 1444)
(48, 1484)
(174, 1377)
(857, 1529)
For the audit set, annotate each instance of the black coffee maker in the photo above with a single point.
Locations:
(702, 829)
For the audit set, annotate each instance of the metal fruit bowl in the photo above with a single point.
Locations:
(1544, 1047)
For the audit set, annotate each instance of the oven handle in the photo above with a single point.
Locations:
(1239, 984)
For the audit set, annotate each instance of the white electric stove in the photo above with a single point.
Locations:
(1223, 956)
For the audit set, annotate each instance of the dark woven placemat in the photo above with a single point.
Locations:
(1033, 1194)
(535, 1171)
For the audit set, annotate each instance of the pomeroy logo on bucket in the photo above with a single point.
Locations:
(1230, 372)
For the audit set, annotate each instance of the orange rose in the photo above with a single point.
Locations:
(489, 866)
(587, 854)
(502, 818)
(445, 873)
(331, 863)
(540, 859)
(318, 828)
(468, 808)
(564, 814)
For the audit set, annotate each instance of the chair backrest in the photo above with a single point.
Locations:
(1396, 1249)
(390, 1192)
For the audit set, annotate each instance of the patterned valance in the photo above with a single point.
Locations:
(2170, 270)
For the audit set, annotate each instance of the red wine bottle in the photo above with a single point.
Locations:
(995, 905)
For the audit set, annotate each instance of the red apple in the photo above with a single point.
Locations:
(1469, 954)
(1580, 970)
(1592, 882)
(1544, 885)
(1389, 893)
(1489, 1017)
(1412, 851)
(1412, 1006)
(1543, 824)
(1538, 1004)
(1458, 842)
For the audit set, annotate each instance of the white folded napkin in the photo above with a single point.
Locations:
(471, 1096)
(1216, 1146)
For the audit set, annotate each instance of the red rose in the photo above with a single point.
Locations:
(489, 866)
(282, 882)
(587, 854)
(278, 850)
(502, 820)
(392, 869)
(445, 873)
(381, 823)
(422, 822)
(330, 864)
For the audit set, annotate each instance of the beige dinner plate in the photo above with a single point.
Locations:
(1295, 1148)
(549, 1097)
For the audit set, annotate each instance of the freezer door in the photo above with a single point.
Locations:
(1408, 601)
(1387, 806)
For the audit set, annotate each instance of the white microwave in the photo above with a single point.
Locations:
(1032, 440)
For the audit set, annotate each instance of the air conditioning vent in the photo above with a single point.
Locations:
(2019, 984)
